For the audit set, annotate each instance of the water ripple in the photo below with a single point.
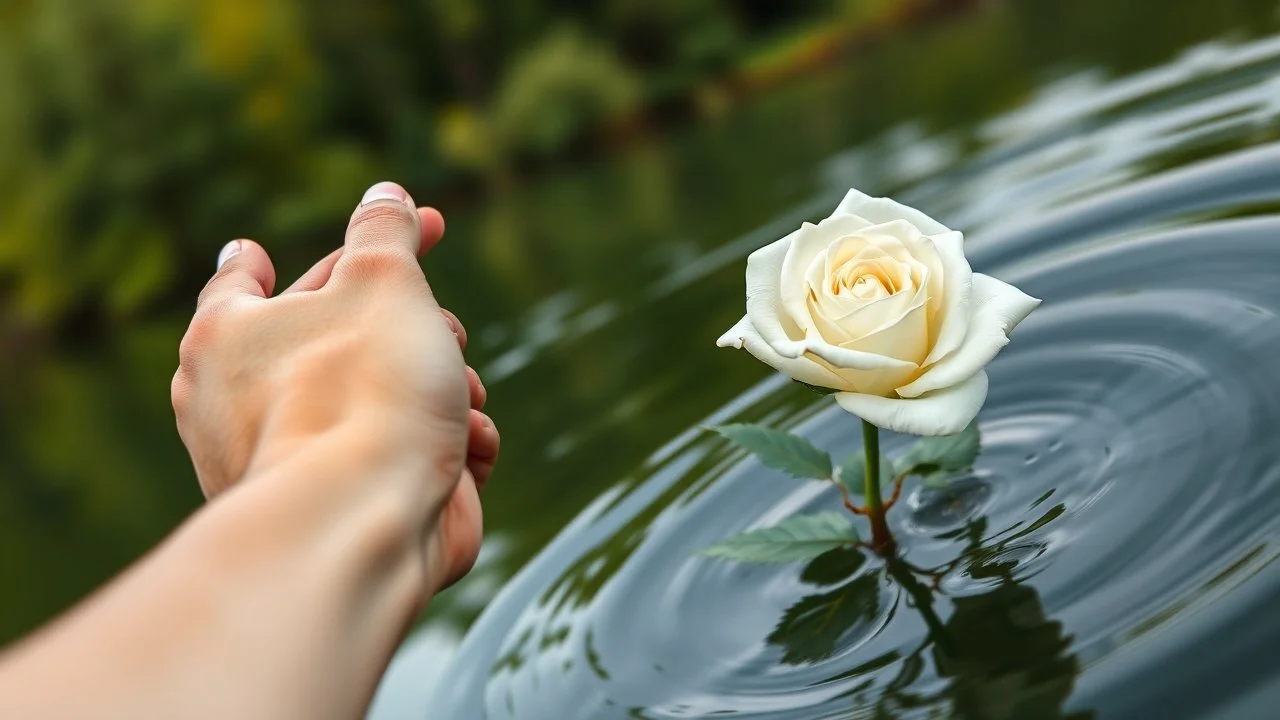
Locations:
(1128, 481)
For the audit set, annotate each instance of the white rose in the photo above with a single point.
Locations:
(878, 302)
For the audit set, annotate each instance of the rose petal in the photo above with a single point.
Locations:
(824, 327)
(810, 242)
(822, 269)
(869, 382)
(898, 239)
(744, 335)
(764, 308)
(997, 308)
(764, 304)
(906, 337)
(883, 210)
(951, 321)
(816, 281)
(942, 412)
(865, 321)
(848, 359)
(905, 242)
(877, 314)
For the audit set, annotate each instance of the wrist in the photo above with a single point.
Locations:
(353, 498)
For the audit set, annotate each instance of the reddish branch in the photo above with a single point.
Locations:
(856, 510)
(897, 490)
(848, 501)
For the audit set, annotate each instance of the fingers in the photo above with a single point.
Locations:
(483, 443)
(456, 326)
(476, 389)
(244, 269)
(386, 221)
(431, 223)
(475, 386)
(463, 512)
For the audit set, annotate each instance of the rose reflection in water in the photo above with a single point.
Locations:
(998, 653)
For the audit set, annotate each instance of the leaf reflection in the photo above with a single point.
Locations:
(1000, 654)
(811, 629)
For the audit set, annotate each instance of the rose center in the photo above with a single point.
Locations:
(869, 286)
(863, 281)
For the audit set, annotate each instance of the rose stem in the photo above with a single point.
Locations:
(881, 540)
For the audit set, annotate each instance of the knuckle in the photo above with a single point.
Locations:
(192, 341)
(180, 393)
(383, 222)
(201, 334)
(207, 291)
(381, 265)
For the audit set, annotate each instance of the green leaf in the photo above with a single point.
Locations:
(935, 458)
(853, 471)
(817, 388)
(779, 450)
(799, 537)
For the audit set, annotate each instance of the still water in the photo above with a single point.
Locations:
(1112, 553)
(1110, 556)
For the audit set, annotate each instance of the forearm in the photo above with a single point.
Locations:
(283, 598)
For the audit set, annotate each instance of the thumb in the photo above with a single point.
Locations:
(382, 239)
(244, 268)
(386, 221)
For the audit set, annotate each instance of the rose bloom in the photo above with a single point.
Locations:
(878, 303)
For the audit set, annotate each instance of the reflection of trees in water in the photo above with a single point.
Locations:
(1001, 656)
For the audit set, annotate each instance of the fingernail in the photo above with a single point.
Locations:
(229, 251)
(386, 191)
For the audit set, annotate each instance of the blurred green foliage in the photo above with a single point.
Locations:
(137, 137)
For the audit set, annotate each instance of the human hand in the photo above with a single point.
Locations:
(356, 363)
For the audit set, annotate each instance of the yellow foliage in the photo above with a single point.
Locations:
(465, 138)
(232, 33)
(258, 43)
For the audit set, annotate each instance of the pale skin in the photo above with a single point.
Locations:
(338, 434)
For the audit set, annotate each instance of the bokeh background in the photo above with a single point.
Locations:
(603, 167)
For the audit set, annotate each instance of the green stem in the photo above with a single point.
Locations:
(871, 452)
(881, 539)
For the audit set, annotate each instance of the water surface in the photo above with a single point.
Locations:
(1119, 527)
